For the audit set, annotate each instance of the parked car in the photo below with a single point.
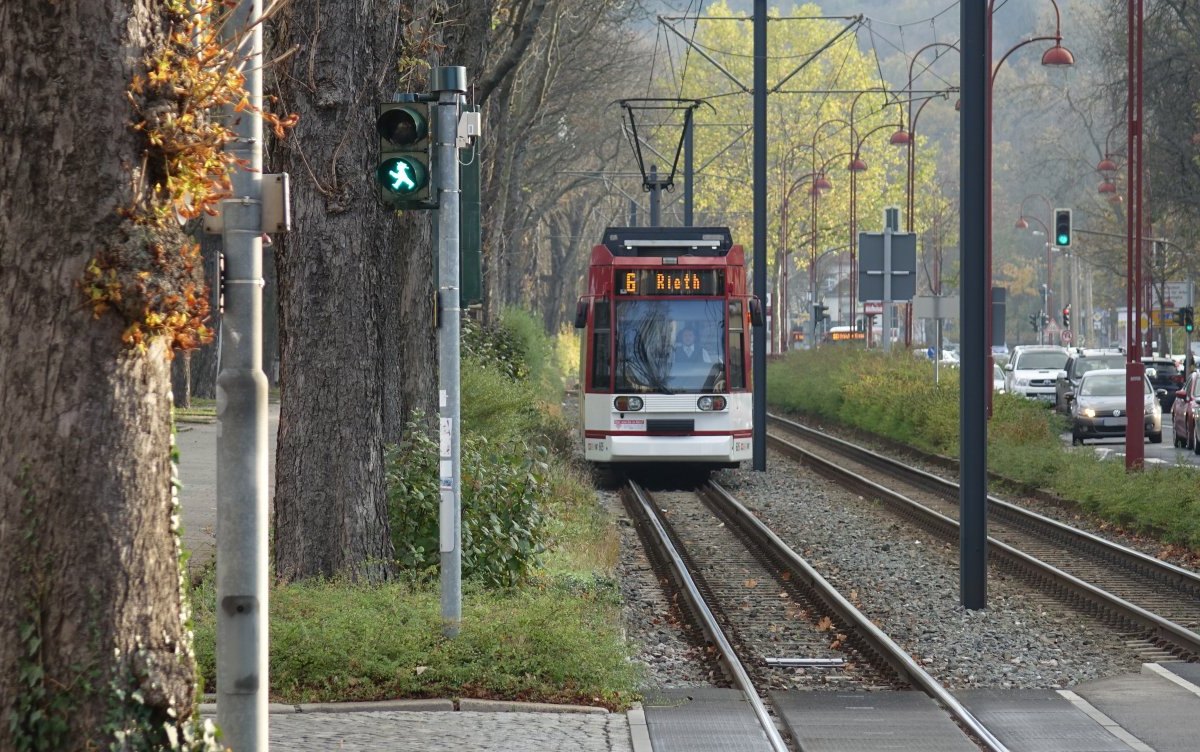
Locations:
(1167, 376)
(1033, 369)
(998, 379)
(1098, 407)
(1183, 413)
(1078, 364)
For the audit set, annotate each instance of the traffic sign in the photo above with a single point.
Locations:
(873, 307)
(1065, 336)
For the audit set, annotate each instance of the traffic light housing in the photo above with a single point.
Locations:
(1189, 324)
(820, 312)
(1062, 228)
(404, 170)
(1066, 316)
(1034, 320)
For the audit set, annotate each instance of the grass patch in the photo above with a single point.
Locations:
(548, 629)
(893, 395)
(330, 642)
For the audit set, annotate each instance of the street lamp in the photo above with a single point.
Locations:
(814, 180)
(1023, 224)
(1055, 56)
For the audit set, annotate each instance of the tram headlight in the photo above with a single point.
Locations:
(708, 403)
(628, 404)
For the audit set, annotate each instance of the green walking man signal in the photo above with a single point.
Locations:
(405, 167)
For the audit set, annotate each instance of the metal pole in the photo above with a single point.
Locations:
(688, 168)
(449, 83)
(975, 303)
(655, 217)
(887, 288)
(1134, 370)
(242, 628)
(760, 231)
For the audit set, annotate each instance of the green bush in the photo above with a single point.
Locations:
(498, 348)
(538, 353)
(504, 488)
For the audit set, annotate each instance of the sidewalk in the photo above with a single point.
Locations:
(477, 726)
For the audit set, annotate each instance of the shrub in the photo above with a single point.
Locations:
(504, 487)
(498, 348)
(537, 352)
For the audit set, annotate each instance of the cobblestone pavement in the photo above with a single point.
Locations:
(405, 731)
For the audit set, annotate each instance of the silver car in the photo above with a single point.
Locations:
(1098, 407)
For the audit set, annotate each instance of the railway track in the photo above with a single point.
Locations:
(1157, 600)
(775, 623)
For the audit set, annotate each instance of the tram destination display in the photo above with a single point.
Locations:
(670, 282)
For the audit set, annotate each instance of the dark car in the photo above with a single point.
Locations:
(1077, 365)
(1166, 376)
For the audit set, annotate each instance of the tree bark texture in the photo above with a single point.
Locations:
(89, 570)
(356, 283)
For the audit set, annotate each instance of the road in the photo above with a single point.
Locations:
(197, 442)
(1155, 453)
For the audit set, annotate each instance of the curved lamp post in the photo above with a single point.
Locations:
(1054, 56)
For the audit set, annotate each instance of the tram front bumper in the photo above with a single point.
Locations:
(615, 448)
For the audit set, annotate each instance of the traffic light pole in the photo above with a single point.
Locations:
(242, 629)
(450, 83)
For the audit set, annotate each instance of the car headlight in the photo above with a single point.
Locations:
(1020, 382)
(1089, 412)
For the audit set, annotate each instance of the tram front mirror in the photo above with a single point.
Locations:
(756, 313)
(581, 311)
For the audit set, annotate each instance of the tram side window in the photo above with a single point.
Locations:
(737, 336)
(601, 345)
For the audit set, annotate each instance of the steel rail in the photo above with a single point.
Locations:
(1131, 558)
(1165, 629)
(895, 655)
(708, 621)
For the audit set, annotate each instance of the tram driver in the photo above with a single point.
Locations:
(688, 351)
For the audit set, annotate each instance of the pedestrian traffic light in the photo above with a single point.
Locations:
(1066, 316)
(404, 171)
(1062, 227)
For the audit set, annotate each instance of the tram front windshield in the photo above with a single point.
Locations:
(670, 346)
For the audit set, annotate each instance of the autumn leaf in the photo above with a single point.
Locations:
(825, 624)
(751, 583)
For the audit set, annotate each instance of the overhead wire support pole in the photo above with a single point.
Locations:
(973, 304)
(760, 232)
(242, 594)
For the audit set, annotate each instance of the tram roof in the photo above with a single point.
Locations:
(668, 241)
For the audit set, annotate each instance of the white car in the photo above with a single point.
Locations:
(1033, 371)
(998, 379)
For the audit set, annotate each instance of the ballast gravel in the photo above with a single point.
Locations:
(903, 580)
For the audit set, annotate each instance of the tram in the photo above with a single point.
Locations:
(665, 358)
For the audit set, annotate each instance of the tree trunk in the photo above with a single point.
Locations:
(89, 568)
(355, 280)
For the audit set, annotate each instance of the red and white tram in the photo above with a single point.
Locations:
(666, 353)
